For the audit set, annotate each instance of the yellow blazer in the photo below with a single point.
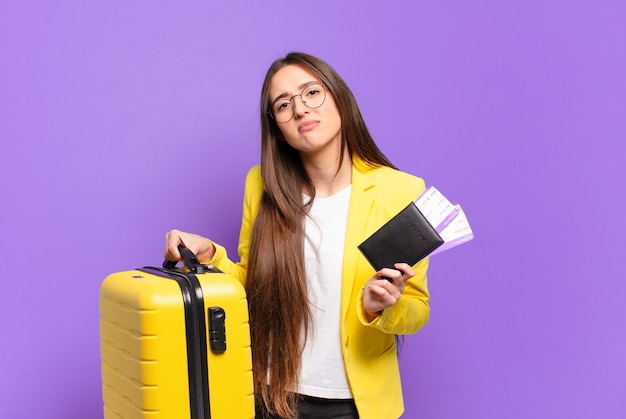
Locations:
(369, 349)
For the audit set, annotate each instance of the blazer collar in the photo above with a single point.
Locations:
(361, 200)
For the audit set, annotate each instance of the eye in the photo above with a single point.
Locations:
(314, 91)
(281, 106)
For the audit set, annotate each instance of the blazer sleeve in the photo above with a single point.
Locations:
(410, 312)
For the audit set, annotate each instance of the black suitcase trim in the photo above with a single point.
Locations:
(195, 330)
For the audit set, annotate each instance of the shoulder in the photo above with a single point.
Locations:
(253, 178)
(387, 173)
(254, 187)
(386, 180)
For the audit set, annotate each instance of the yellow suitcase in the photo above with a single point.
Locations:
(175, 344)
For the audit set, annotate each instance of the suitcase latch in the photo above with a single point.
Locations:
(217, 329)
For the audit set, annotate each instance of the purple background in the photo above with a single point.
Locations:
(122, 120)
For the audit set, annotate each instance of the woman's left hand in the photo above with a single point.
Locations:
(380, 293)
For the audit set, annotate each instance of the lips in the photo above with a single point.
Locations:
(307, 125)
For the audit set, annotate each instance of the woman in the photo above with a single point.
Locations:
(322, 321)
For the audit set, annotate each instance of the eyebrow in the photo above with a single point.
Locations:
(300, 88)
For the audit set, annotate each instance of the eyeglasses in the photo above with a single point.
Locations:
(312, 96)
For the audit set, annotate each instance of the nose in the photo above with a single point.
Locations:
(299, 108)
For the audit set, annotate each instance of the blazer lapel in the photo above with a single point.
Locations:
(361, 201)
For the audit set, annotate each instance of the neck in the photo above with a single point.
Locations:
(328, 175)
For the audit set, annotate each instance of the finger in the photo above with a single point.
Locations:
(388, 290)
(172, 240)
(395, 287)
(392, 275)
(406, 269)
(376, 299)
(378, 287)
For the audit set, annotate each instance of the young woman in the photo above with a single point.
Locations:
(323, 323)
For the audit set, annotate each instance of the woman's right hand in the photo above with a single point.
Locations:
(200, 246)
(380, 293)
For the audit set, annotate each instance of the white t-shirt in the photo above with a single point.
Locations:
(323, 372)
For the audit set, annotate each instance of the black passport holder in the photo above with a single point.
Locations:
(408, 237)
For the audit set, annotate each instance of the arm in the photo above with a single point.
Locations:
(405, 309)
(212, 253)
(400, 307)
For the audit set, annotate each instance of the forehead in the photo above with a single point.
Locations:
(290, 79)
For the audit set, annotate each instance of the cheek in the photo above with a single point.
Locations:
(333, 113)
(336, 122)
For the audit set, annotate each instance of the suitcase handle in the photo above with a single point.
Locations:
(190, 261)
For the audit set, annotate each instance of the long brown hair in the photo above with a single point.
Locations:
(276, 280)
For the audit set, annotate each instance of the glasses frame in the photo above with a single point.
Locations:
(293, 105)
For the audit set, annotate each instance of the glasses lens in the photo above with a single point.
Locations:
(312, 96)
(282, 111)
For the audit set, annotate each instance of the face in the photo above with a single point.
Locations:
(310, 131)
